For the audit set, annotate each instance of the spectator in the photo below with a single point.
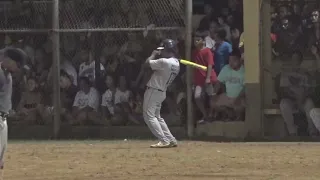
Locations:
(115, 102)
(232, 76)
(27, 110)
(68, 67)
(203, 80)
(86, 104)
(68, 94)
(295, 92)
(205, 21)
(87, 68)
(210, 42)
(222, 50)
(223, 24)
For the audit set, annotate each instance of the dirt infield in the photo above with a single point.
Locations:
(133, 160)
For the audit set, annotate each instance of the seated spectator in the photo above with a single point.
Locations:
(28, 108)
(68, 67)
(222, 50)
(203, 80)
(86, 104)
(116, 102)
(232, 76)
(294, 93)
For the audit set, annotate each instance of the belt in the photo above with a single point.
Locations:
(155, 89)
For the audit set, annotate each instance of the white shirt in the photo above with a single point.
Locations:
(119, 97)
(83, 100)
(70, 70)
(88, 70)
(107, 101)
(210, 43)
(165, 71)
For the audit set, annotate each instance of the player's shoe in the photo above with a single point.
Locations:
(161, 145)
(173, 144)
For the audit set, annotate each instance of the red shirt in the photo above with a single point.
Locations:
(203, 57)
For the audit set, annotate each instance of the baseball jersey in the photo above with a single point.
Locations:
(5, 91)
(165, 71)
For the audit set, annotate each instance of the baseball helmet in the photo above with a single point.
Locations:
(168, 45)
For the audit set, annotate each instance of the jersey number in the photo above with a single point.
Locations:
(171, 78)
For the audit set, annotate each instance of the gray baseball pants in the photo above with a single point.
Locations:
(152, 101)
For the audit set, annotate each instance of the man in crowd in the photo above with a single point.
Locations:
(295, 92)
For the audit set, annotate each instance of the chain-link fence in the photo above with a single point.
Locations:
(118, 34)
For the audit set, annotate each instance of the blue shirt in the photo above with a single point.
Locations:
(221, 55)
(234, 80)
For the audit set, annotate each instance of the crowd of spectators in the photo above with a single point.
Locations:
(296, 40)
(114, 97)
(219, 92)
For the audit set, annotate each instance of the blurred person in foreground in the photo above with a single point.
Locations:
(11, 60)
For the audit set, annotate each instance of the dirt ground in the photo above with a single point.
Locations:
(133, 160)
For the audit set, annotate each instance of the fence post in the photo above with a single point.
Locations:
(188, 43)
(56, 67)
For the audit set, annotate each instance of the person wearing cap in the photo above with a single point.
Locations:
(165, 68)
(11, 59)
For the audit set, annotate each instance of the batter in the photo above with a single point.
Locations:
(165, 70)
(10, 61)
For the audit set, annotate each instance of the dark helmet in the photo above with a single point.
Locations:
(168, 45)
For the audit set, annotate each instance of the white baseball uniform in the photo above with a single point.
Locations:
(5, 107)
(165, 71)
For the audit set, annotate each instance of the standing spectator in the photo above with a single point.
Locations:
(222, 50)
(294, 88)
(223, 24)
(205, 21)
(210, 42)
(232, 76)
(87, 68)
(203, 80)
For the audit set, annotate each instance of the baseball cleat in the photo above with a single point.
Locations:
(161, 145)
(173, 144)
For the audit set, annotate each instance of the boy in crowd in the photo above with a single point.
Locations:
(222, 50)
(203, 80)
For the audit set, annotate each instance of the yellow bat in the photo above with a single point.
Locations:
(189, 63)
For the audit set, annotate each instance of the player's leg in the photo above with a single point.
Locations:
(3, 140)
(165, 128)
(150, 103)
(315, 116)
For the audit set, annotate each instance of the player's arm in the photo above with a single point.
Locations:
(152, 63)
